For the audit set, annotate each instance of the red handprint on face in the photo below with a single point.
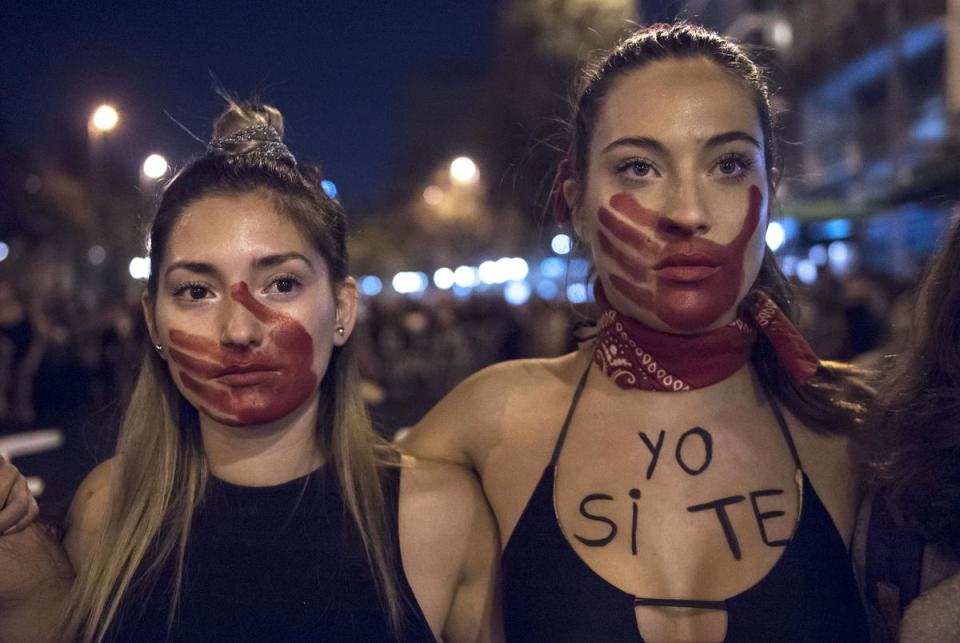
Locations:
(687, 281)
(241, 385)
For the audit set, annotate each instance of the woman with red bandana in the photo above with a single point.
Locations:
(249, 498)
(684, 475)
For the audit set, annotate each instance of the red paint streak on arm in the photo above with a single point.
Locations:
(634, 269)
(241, 293)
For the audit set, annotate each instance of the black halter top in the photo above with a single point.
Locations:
(551, 594)
(278, 563)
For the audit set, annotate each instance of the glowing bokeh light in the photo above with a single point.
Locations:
(818, 255)
(547, 289)
(806, 271)
(96, 254)
(776, 236)
(370, 285)
(105, 118)
(329, 188)
(155, 166)
(517, 293)
(444, 278)
(407, 283)
(4, 251)
(465, 276)
(139, 268)
(464, 171)
(433, 195)
(561, 244)
(577, 293)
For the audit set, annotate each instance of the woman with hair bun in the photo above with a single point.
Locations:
(249, 498)
(684, 475)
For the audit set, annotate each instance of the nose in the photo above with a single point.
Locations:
(685, 212)
(239, 327)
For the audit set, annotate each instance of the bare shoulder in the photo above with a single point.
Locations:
(449, 493)
(829, 464)
(471, 418)
(90, 509)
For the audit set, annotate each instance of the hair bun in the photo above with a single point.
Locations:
(250, 130)
(244, 115)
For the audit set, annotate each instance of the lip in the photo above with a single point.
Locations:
(687, 267)
(246, 376)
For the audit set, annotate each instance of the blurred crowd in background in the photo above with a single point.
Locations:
(458, 262)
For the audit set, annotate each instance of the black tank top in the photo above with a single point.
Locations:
(551, 594)
(279, 563)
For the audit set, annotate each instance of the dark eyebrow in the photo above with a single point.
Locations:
(192, 266)
(268, 261)
(729, 137)
(275, 260)
(636, 141)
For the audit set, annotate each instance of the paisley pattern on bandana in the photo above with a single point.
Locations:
(636, 356)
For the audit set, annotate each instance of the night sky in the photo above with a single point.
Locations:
(336, 69)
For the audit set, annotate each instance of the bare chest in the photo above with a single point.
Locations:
(681, 502)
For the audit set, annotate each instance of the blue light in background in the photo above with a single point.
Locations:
(547, 289)
(517, 293)
(370, 285)
(579, 269)
(577, 293)
(329, 187)
(830, 230)
(553, 267)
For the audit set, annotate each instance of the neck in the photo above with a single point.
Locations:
(266, 454)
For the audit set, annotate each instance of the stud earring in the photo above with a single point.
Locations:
(158, 348)
(341, 330)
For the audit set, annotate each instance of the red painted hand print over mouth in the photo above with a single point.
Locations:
(242, 385)
(687, 281)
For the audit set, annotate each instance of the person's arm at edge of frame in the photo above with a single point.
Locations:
(18, 507)
(448, 532)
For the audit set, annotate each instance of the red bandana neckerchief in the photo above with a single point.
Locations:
(636, 356)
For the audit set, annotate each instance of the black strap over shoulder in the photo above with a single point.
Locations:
(894, 561)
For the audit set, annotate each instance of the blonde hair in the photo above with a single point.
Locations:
(161, 469)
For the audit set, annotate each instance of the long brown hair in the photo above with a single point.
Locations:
(162, 469)
(911, 440)
(835, 400)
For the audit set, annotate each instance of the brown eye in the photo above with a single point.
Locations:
(285, 285)
(641, 168)
(198, 292)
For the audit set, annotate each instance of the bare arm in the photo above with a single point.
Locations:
(35, 577)
(88, 512)
(17, 505)
(450, 551)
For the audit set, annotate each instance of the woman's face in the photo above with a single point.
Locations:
(675, 202)
(245, 311)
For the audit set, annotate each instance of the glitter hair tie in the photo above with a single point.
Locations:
(269, 145)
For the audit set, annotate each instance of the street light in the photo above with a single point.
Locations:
(104, 118)
(155, 166)
(464, 171)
